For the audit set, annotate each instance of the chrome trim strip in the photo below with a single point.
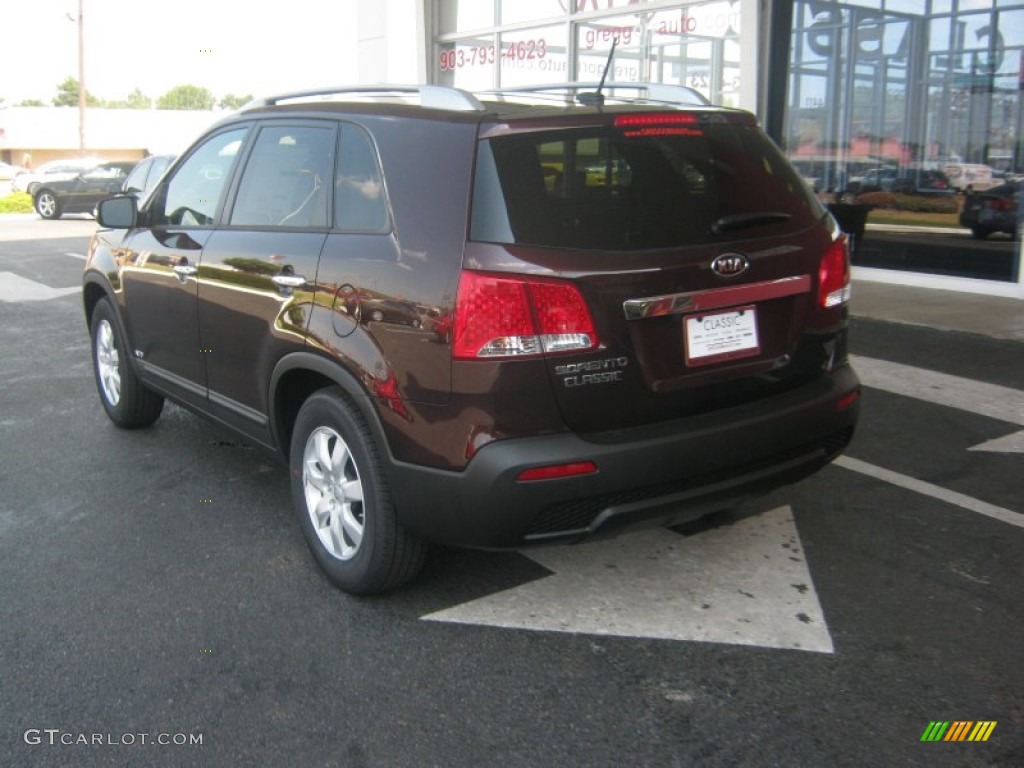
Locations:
(715, 298)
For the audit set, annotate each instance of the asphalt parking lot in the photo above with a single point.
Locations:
(158, 605)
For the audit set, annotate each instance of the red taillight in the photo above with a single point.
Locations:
(499, 316)
(834, 275)
(554, 471)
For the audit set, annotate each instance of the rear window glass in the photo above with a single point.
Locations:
(614, 189)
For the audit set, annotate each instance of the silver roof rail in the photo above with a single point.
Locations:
(660, 93)
(431, 96)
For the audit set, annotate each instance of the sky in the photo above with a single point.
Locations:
(228, 46)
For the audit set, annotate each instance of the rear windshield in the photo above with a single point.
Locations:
(609, 188)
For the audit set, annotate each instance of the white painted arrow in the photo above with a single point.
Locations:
(17, 288)
(1010, 444)
(980, 397)
(745, 584)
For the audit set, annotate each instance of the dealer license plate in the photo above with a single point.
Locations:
(719, 336)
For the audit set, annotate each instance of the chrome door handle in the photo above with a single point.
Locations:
(184, 271)
(289, 281)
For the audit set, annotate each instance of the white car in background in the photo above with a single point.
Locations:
(8, 171)
(55, 170)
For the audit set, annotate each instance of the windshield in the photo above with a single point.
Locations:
(612, 189)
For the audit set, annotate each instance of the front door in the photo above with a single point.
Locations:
(161, 266)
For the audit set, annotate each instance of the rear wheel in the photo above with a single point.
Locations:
(980, 233)
(47, 205)
(127, 401)
(343, 502)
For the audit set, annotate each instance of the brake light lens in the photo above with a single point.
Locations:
(500, 316)
(834, 275)
(648, 119)
(659, 124)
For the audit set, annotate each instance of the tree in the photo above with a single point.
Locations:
(33, 103)
(186, 97)
(67, 94)
(234, 102)
(136, 100)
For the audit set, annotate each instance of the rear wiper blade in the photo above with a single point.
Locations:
(744, 220)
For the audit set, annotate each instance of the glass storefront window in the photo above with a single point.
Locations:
(466, 16)
(594, 40)
(689, 43)
(468, 63)
(514, 11)
(534, 57)
(904, 111)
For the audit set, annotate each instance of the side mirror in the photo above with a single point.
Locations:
(117, 213)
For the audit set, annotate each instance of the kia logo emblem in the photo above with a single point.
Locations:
(730, 264)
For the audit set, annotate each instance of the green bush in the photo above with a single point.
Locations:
(920, 204)
(914, 203)
(878, 199)
(16, 202)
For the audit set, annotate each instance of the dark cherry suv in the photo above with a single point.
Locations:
(484, 320)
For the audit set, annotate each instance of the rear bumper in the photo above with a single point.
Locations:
(663, 473)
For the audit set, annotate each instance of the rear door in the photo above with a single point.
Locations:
(259, 268)
(696, 246)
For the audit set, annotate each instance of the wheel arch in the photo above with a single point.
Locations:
(93, 290)
(301, 374)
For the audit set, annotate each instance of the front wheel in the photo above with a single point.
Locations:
(980, 233)
(127, 401)
(343, 501)
(47, 205)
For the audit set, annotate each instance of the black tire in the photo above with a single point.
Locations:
(47, 205)
(980, 233)
(127, 401)
(385, 555)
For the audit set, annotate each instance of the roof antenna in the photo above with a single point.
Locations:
(596, 98)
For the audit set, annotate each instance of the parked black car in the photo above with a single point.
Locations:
(637, 347)
(907, 181)
(996, 209)
(145, 175)
(80, 194)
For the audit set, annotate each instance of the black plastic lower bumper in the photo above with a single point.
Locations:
(663, 473)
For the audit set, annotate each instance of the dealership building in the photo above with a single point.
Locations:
(847, 89)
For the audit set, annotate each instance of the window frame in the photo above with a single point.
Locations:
(389, 226)
(158, 197)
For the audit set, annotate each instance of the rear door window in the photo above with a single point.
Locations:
(284, 183)
(612, 188)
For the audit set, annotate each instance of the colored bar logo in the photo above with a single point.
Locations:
(958, 730)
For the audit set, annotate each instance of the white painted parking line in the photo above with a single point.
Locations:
(743, 584)
(934, 491)
(982, 398)
(17, 288)
(75, 255)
